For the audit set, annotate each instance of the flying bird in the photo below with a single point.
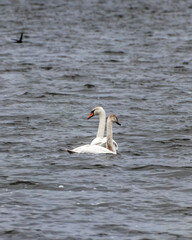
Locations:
(20, 40)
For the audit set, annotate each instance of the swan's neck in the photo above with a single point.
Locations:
(101, 128)
(109, 143)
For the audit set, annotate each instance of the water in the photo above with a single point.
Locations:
(134, 59)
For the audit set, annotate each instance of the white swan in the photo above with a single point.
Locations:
(96, 149)
(100, 139)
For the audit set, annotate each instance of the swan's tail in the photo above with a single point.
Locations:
(70, 151)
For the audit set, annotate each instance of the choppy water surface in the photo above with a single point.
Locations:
(134, 59)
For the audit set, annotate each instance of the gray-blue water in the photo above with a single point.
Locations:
(134, 59)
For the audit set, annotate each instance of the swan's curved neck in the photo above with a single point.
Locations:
(101, 128)
(109, 143)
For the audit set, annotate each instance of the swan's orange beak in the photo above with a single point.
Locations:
(91, 115)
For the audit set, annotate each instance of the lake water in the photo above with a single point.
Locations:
(134, 59)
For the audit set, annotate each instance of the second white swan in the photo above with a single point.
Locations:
(100, 139)
(109, 148)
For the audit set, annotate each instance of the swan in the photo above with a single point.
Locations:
(100, 139)
(96, 149)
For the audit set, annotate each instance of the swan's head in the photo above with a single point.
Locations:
(113, 118)
(96, 111)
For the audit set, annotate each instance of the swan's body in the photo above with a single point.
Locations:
(96, 149)
(100, 140)
(88, 148)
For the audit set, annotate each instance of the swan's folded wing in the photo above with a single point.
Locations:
(98, 141)
(80, 149)
(102, 142)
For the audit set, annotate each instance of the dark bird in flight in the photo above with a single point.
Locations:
(20, 40)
